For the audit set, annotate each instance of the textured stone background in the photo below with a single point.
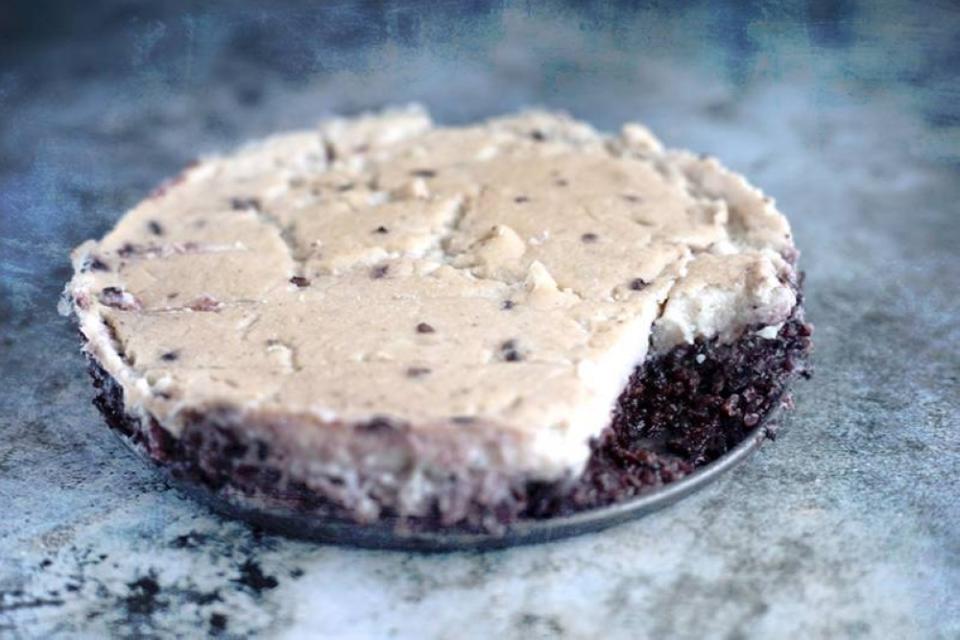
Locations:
(848, 526)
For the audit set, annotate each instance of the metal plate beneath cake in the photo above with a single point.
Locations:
(384, 535)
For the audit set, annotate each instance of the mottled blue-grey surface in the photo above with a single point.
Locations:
(847, 113)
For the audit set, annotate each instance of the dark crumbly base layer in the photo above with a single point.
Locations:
(680, 411)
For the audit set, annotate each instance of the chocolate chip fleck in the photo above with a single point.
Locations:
(155, 228)
(538, 135)
(379, 271)
(300, 281)
(343, 188)
(507, 305)
(521, 199)
(417, 372)
(509, 352)
(329, 150)
(94, 263)
(629, 197)
(381, 229)
(638, 284)
(245, 204)
(463, 419)
(589, 237)
(423, 173)
(128, 249)
(423, 327)
(170, 356)
(561, 182)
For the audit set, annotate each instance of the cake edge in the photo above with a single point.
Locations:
(680, 410)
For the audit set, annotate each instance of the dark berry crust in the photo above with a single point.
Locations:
(679, 411)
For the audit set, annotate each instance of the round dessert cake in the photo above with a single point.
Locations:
(446, 328)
